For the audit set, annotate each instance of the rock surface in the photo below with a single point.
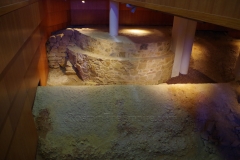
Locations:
(96, 56)
(213, 58)
(138, 122)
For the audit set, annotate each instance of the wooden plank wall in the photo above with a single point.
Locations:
(222, 12)
(22, 66)
(10, 2)
(24, 29)
(96, 12)
(56, 15)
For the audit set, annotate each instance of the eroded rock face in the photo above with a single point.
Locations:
(106, 70)
(100, 58)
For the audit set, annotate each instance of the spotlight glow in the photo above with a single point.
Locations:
(137, 31)
(83, 1)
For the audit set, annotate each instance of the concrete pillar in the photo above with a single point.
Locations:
(113, 18)
(183, 35)
(178, 33)
(237, 68)
(187, 49)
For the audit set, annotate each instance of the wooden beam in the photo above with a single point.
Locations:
(15, 6)
(189, 13)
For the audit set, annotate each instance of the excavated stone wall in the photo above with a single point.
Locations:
(103, 59)
(107, 70)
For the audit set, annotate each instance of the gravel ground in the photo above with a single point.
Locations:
(181, 121)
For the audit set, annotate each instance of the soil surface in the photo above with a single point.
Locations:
(215, 54)
(180, 121)
(193, 76)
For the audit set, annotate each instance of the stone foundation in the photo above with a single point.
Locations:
(96, 56)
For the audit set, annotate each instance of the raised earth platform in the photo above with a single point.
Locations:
(213, 57)
(136, 56)
(167, 122)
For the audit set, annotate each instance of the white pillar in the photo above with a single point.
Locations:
(178, 33)
(189, 38)
(113, 18)
(183, 35)
(237, 68)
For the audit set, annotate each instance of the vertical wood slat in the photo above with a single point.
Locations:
(237, 11)
(5, 138)
(17, 106)
(4, 103)
(14, 76)
(229, 10)
(56, 16)
(24, 141)
(97, 12)
(14, 31)
(220, 7)
(20, 94)
(202, 5)
(221, 12)
(193, 5)
(8, 2)
(20, 37)
(43, 62)
(31, 47)
(31, 78)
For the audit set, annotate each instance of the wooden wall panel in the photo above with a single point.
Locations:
(14, 76)
(32, 78)
(87, 17)
(56, 15)
(22, 23)
(24, 142)
(96, 12)
(222, 12)
(6, 135)
(17, 106)
(31, 46)
(144, 17)
(43, 62)
(4, 103)
(21, 37)
(9, 2)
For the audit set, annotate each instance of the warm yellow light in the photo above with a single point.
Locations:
(137, 31)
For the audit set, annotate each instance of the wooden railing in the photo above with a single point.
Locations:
(222, 12)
